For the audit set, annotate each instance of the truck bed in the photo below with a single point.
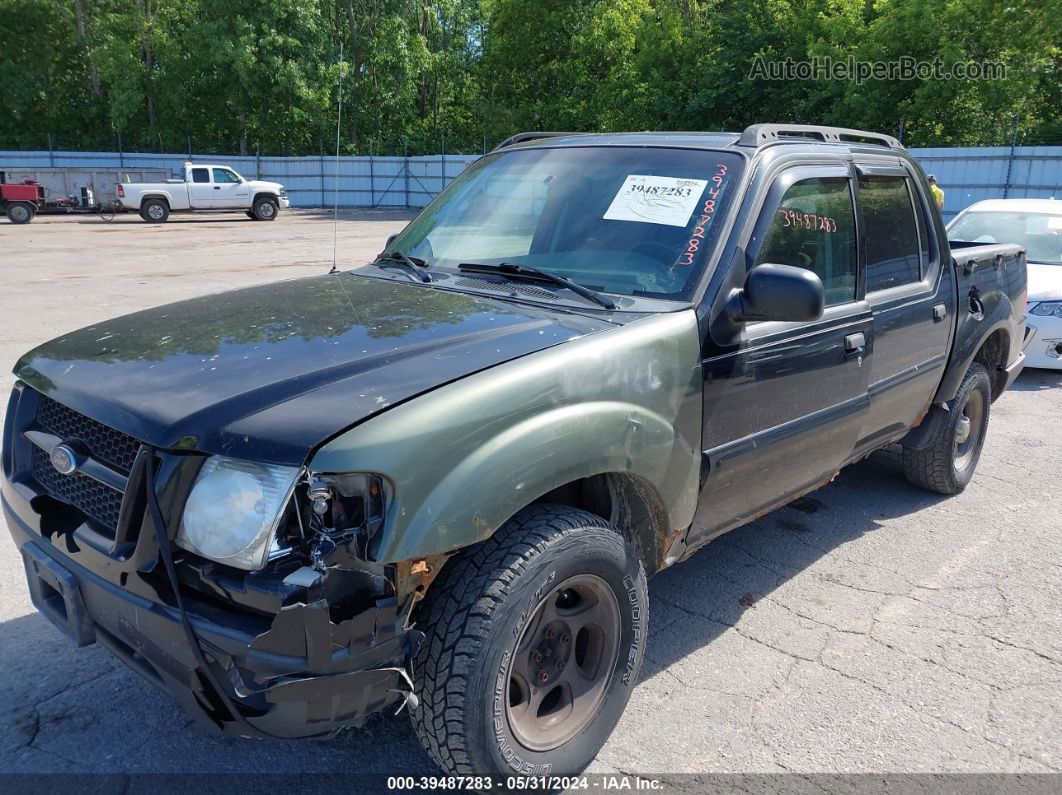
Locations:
(992, 286)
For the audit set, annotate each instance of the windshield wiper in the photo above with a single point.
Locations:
(412, 265)
(534, 274)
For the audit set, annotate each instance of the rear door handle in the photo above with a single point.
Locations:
(940, 311)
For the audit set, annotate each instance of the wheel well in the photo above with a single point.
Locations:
(629, 502)
(156, 197)
(993, 355)
(270, 196)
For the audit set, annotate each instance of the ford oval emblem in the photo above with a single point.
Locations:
(64, 459)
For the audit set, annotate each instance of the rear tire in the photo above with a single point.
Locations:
(534, 642)
(947, 466)
(20, 212)
(265, 209)
(155, 211)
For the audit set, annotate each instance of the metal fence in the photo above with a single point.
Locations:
(310, 181)
(970, 174)
(966, 174)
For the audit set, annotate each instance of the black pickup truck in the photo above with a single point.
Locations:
(439, 481)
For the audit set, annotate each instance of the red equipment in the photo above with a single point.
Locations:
(20, 201)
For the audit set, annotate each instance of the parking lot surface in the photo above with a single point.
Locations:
(869, 627)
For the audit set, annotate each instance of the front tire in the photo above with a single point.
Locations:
(534, 640)
(20, 212)
(264, 209)
(948, 465)
(155, 211)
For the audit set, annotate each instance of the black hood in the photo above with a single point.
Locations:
(267, 373)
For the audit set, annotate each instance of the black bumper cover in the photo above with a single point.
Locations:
(305, 676)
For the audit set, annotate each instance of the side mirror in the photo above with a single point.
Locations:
(779, 292)
(390, 240)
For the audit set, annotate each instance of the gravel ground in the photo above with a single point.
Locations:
(869, 627)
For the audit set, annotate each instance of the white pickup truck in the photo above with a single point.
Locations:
(205, 188)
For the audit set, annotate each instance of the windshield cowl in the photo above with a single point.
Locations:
(521, 292)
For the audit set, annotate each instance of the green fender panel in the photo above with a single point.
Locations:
(464, 458)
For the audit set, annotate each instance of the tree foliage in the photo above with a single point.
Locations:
(230, 75)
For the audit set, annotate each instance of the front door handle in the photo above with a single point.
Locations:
(940, 311)
(217, 187)
(855, 344)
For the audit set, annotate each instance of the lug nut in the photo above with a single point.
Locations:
(566, 638)
(560, 665)
(546, 652)
(536, 656)
(551, 633)
(543, 677)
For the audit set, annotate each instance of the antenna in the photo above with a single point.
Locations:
(339, 121)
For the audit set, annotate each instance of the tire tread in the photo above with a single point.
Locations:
(933, 468)
(457, 619)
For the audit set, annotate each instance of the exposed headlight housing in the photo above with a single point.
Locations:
(233, 510)
(1044, 308)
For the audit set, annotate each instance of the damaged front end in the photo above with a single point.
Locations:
(298, 633)
(339, 640)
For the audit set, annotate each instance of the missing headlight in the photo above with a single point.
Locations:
(340, 510)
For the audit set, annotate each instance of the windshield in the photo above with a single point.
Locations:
(1040, 234)
(630, 221)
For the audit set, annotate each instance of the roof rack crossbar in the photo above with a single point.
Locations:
(761, 134)
(529, 136)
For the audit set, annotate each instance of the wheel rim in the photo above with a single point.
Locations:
(563, 662)
(968, 430)
(155, 212)
(266, 210)
(18, 213)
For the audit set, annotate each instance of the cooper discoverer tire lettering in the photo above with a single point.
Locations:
(534, 640)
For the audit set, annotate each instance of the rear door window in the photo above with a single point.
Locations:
(893, 252)
(200, 175)
(814, 228)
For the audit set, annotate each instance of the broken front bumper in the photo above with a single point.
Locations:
(308, 670)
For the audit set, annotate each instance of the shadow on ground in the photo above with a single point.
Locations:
(64, 709)
(1036, 380)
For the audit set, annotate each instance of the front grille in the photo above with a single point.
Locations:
(115, 450)
(112, 447)
(91, 497)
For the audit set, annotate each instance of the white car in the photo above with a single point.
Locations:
(206, 188)
(1035, 224)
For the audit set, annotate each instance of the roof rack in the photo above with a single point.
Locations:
(530, 136)
(762, 134)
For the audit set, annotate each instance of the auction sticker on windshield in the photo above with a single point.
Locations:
(656, 200)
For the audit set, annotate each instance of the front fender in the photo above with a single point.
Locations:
(465, 457)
